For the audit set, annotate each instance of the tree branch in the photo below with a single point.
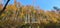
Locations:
(4, 7)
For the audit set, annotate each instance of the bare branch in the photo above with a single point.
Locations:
(4, 7)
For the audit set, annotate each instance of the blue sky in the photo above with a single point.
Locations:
(43, 4)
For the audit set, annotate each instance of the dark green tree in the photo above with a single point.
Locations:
(56, 8)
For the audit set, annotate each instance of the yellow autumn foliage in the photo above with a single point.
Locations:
(20, 12)
(3, 15)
